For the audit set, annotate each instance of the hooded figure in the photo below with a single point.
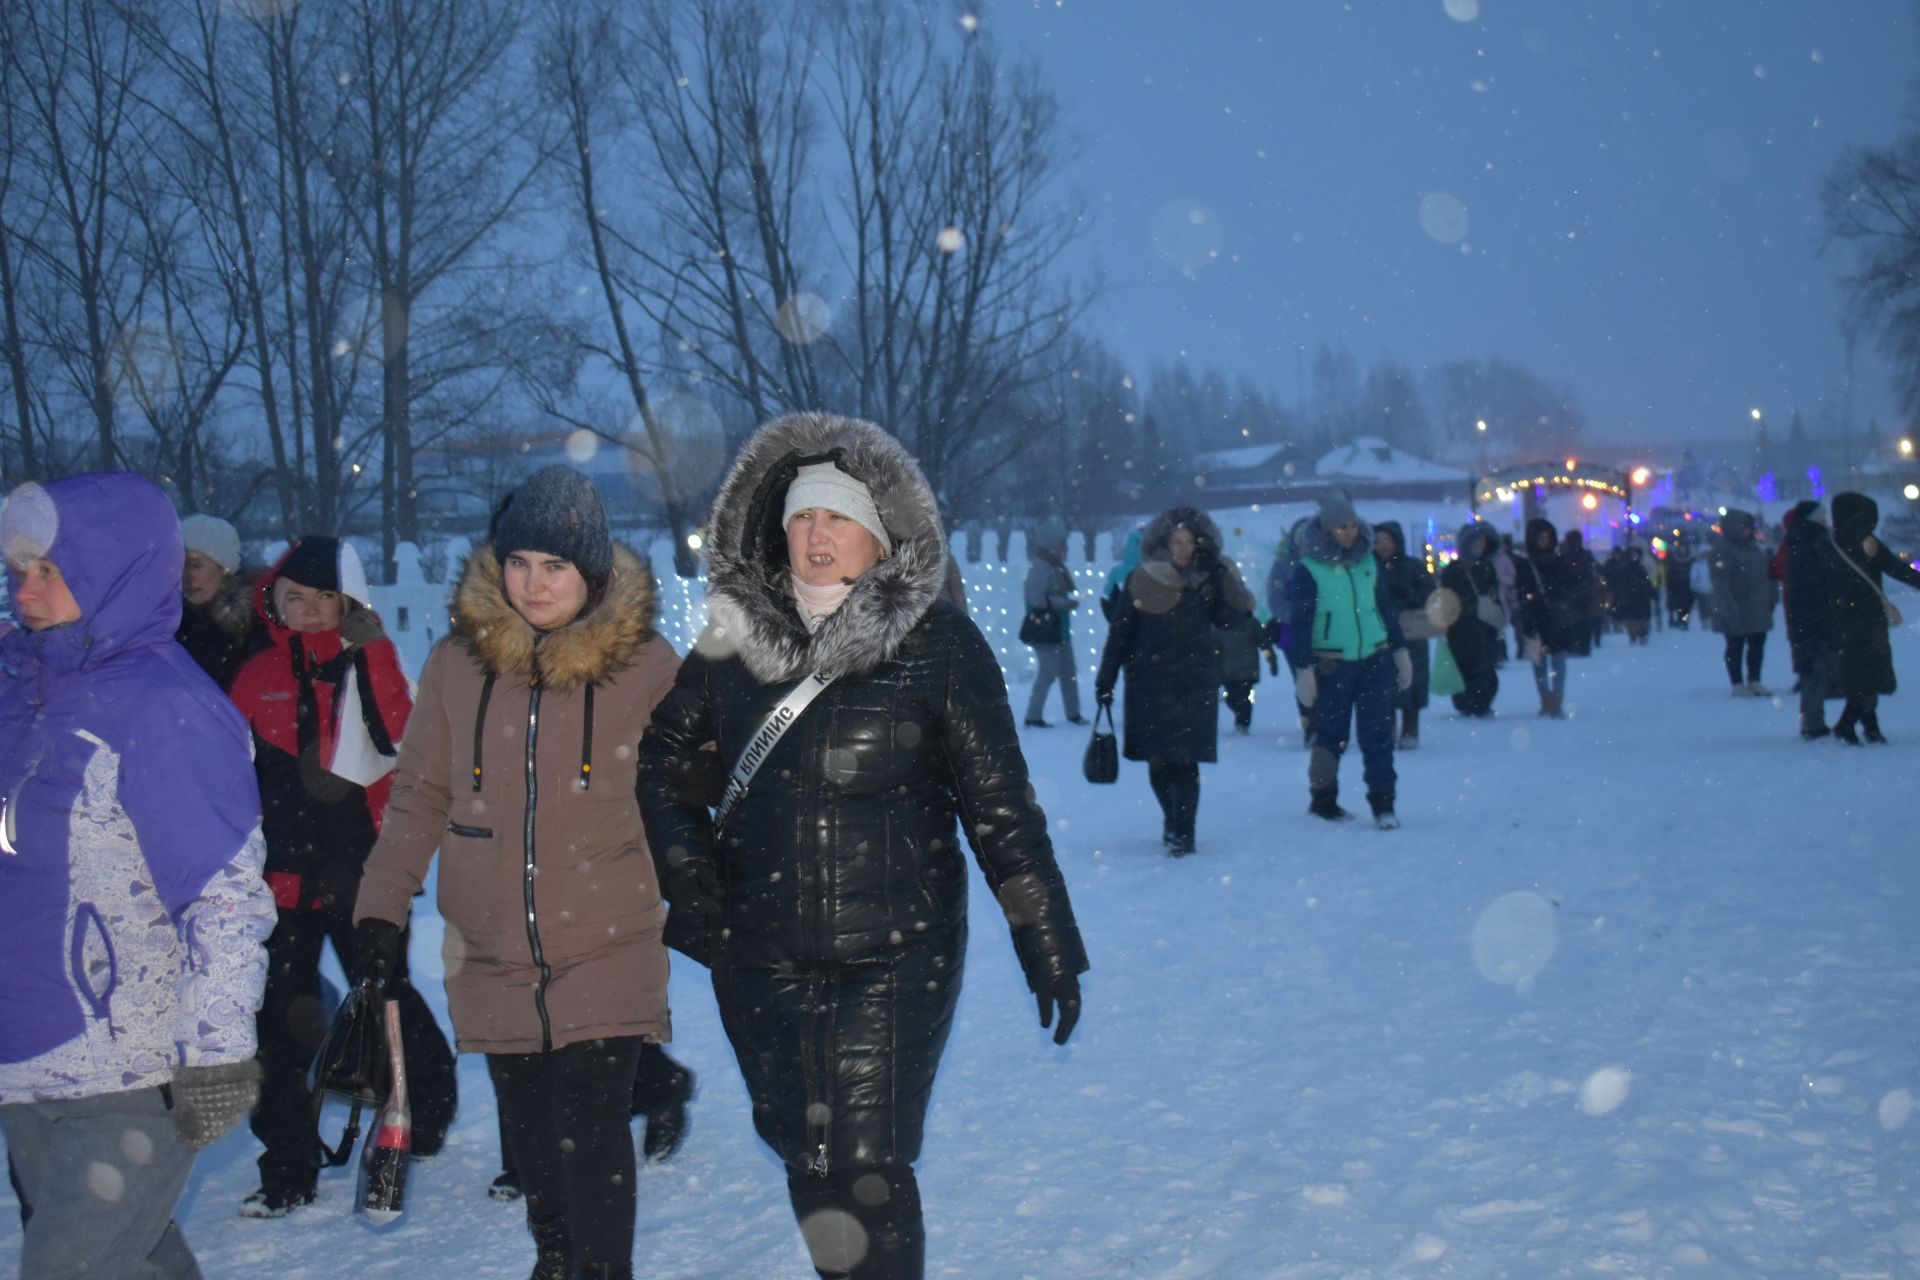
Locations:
(1164, 636)
(1744, 593)
(1408, 586)
(830, 899)
(1350, 658)
(1556, 601)
(520, 765)
(1858, 615)
(132, 911)
(327, 702)
(1472, 604)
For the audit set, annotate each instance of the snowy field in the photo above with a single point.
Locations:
(1631, 994)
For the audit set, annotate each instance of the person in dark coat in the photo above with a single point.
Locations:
(1556, 612)
(1857, 613)
(1632, 593)
(1679, 584)
(326, 701)
(1050, 600)
(1164, 637)
(1350, 657)
(218, 626)
(831, 896)
(1286, 558)
(1408, 586)
(1573, 548)
(1472, 602)
(1744, 594)
(1809, 562)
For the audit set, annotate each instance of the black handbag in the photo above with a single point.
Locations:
(353, 1066)
(1102, 762)
(1040, 626)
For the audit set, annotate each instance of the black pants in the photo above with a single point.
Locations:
(290, 1025)
(1756, 649)
(1177, 787)
(565, 1116)
(654, 1081)
(862, 1224)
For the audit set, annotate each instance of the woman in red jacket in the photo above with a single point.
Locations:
(327, 702)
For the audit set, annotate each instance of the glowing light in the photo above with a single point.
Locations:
(1912, 492)
(951, 239)
(1641, 475)
(1589, 502)
(1480, 424)
(694, 541)
(1906, 447)
(1572, 463)
(1755, 413)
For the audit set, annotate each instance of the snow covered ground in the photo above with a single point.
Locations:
(1631, 994)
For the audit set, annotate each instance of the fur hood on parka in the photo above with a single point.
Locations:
(750, 596)
(1206, 534)
(593, 646)
(231, 610)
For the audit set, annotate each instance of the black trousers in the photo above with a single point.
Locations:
(862, 1224)
(1177, 787)
(565, 1115)
(1755, 647)
(291, 1025)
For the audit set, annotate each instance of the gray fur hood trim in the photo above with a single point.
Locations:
(751, 606)
(1320, 544)
(1153, 541)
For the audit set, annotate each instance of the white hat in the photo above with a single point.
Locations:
(213, 538)
(824, 485)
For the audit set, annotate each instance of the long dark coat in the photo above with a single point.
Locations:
(1854, 600)
(1475, 645)
(1811, 563)
(1556, 595)
(837, 957)
(1163, 636)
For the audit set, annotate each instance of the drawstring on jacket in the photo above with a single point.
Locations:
(480, 735)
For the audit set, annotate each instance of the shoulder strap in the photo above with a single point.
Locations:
(778, 721)
(1854, 565)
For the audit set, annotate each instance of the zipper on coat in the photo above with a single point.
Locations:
(816, 1067)
(529, 868)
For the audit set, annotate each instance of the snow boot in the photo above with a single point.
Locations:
(552, 1247)
(1870, 727)
(1383, 814)
(1815, 732)
(1553, 705)
(1757, 690)
(1326, 804)
(1038, 724)
(276, 1202)
(1409, 729)
(505, 1187)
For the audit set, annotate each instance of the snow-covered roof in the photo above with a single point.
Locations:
(1243, 458)
(1371, 458)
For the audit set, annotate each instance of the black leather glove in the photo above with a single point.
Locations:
(1062, 993)
(208, 1101)
(376, 949)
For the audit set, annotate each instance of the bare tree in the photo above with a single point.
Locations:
(1872, 206)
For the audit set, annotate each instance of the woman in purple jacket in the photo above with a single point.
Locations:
(132, 911)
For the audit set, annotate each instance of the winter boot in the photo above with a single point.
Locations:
(1383, 816)
(1186, 809)
(552, 1247)
(276, 1202)
(1870, 726)
(505, 1187)
(1815, 731)
(1757, 690)
(1843, 728)
(1553, 705)
(1326, 804)
(1410, 729)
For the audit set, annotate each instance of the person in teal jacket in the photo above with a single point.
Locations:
(1349, 657)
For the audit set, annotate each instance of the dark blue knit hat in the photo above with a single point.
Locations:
(557, 512)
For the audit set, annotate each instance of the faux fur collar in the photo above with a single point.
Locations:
(1153, 542)
(590, 648)
(751, 609)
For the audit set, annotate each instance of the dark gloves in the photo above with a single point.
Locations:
(208, 1101)
(376, 949)
(361, 626)
(1063, 992)
(1103, 696)
(1273, 659)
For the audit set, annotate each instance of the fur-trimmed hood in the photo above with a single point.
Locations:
(231, 610)
(1206, 534)
(590, 648)
(751, 606)
(1318, 543)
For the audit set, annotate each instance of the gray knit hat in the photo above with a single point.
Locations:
(556, 511)
(213, 538)
(1335, 511)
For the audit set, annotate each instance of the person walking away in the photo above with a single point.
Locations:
(1478, 622)
(1593, 590)
(1351, 657)
(1810, 563)
(1555, 614)
(1051, 600)
(1744, 594)
(1408, 586)
(1679, 583)
(218, 625)
(133, 916)
(520, 766)
(326, 701)
(1634, 595)
(830, 889)
(1860, 616)
(1163, 638)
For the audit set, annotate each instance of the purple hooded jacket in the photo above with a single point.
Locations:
(132, 913)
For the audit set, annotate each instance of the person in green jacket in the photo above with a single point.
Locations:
(1349, 657)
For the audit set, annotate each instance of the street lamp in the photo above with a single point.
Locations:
(1906, 446)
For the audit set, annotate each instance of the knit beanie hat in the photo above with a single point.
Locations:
(213, 538)
(1335, 511)
(824, 485)
(313, 562)
(556, 511)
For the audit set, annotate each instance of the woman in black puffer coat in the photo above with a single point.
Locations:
(831, 903)
(1164, 635)
(1856, 611)
(1473, 636)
